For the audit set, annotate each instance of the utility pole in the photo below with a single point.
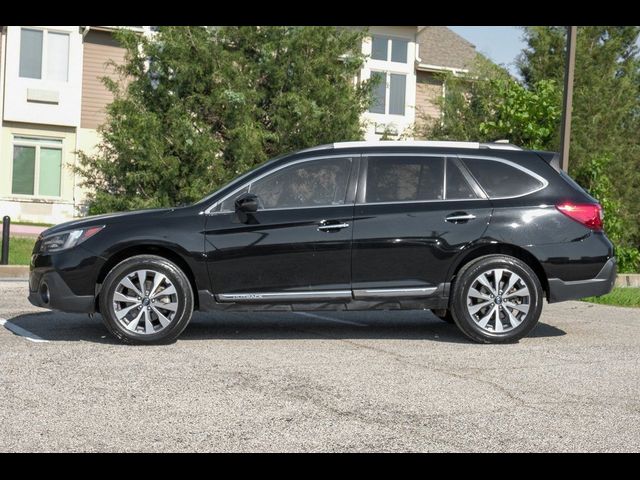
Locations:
(567, 102)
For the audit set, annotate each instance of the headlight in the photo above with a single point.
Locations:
(64, 240)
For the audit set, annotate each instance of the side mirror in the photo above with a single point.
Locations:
(247, 203)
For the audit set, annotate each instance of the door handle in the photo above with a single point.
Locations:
(460, 217)
(324, 227)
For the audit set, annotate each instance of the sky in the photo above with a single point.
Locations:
(501, 44)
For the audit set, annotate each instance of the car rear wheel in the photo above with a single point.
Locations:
(496, 299)
(146, 299)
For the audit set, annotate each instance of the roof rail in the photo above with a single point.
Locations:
(407, 143)
(500, 146)
(421, 143)
(415, 143)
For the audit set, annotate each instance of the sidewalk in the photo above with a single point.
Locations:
(25, 230)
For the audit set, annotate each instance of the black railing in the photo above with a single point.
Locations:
(6, 225)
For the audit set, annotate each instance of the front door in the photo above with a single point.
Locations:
(297, 246)
(413, 215)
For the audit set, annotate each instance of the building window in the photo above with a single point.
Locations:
(37, 166)
(42, 47)
(389, 49)
(389, 93)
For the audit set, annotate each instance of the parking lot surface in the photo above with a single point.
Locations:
(352, 381)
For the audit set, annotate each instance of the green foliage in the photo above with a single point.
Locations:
(488, 105)
(622, 297)
(606, 105)
(595, 177)
(197, 106)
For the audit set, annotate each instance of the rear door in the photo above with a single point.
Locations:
(413, 214)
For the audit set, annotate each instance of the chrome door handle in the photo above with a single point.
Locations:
(332, 226)
(460, 218)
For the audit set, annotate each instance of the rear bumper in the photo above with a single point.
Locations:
(52, 292)
(560, 290)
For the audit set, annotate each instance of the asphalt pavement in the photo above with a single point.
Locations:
(351, 381)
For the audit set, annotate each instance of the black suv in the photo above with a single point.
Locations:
(478, 233)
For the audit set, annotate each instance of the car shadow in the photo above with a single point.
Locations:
(412, 325)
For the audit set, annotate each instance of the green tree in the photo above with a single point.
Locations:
(196, 106)
(488, 105)
(606, 106)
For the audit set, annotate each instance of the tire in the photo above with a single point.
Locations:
(444, 315)
(518, 312)
(167, 313)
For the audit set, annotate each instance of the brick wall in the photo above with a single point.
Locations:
(428, 92)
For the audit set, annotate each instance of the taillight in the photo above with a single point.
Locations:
(588, 214)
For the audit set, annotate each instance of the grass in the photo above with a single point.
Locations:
(33, 224)
(20, 249)
(622, 297)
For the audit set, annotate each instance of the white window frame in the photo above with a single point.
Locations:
(390, 39)
(387, 92)
(37, 142)
(44, 72)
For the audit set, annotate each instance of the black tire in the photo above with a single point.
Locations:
(444, 315)
(184, 294)
(467, 276)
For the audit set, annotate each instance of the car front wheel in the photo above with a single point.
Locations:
(496, 299)
(146, 299)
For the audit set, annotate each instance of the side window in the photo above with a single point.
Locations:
(398, 179)
(499, 179)
(228, 204)
(314, 183)
(457, 186)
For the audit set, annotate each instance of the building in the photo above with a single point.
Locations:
(53, 101)
(410, 62)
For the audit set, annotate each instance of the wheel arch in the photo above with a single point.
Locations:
(147, 249)
(501, 249)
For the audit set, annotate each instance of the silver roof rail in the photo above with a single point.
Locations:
(407, 143)
(415, 143)
(500, 146)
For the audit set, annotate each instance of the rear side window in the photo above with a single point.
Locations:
(458, 187)
(404, 179)
(500, 179)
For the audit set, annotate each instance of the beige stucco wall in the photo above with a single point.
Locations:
(32, 208)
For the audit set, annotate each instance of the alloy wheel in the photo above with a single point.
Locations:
(498, 300)
(145, 301)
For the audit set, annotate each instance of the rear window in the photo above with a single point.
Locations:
(405, 179)
(500, 179)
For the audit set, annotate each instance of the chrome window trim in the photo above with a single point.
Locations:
(444, 181)
(351, 157)
(541, 179)
(460, 157)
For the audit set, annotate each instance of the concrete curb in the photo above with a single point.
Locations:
(14, 271)
(628, 280)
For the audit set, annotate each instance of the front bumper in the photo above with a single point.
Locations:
(65, 280)
(52, 292)
(560, 290)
